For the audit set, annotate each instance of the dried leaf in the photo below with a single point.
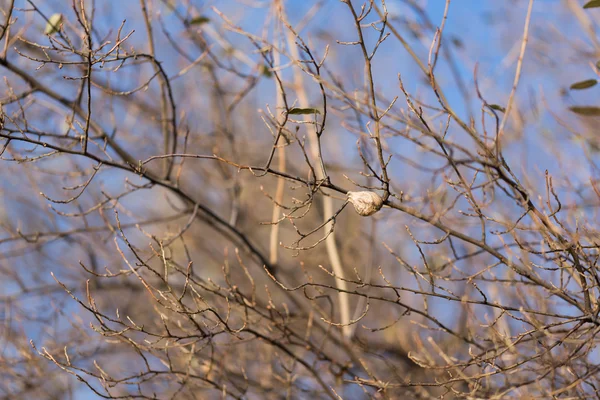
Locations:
(199, 20)
(584, 84)
(592, 4)
(303, 111)
(588, 111)
(54, 23)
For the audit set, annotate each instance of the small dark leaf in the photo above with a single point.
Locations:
(589, 111)
(592, 4)
(199, 20)
(584, 84)
(266, 71)
(598, 65)
(303, 111)
(457, 42)
(593, 146)
(497, 107)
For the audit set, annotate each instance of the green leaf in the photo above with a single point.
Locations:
(588, 111)
(265, 71)
(53, 24)
(598, 65)
(584, 84)
(592, 4)
(303, 111)
(497, 107)
(199, 20)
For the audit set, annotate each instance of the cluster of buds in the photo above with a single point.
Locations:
(365, 203)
